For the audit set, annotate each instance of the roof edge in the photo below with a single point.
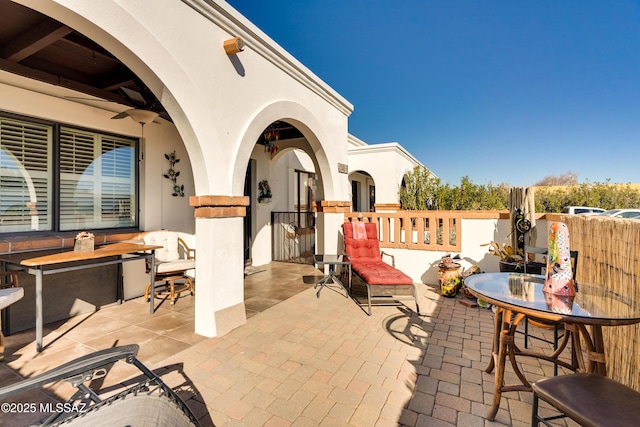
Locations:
(236, 24)
(385, 147)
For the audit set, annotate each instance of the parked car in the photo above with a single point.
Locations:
(621, 213)
(581, 210)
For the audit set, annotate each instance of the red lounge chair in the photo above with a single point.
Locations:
(366, 262)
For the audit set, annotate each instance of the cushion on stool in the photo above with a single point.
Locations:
(591, 399)
(177, 265)
(10, 295)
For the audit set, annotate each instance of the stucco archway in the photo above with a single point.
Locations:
(218, 112)
(123, 33)
(316, 143)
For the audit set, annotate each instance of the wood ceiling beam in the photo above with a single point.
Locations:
(116, 79)
(35, 39)
(55, 80)
(60, 70)
(83, 43)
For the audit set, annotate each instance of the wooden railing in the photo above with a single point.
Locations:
(416, 230)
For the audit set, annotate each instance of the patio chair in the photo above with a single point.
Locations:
(362, 249)
(10, 292)
(171, 264)
(149, 402)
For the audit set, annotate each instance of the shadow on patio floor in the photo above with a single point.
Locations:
(300, 359)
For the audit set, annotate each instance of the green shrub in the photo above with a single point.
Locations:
(423, 191)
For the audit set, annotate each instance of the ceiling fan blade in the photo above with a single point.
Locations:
(133, 95)
(121, 115)
(83, 98)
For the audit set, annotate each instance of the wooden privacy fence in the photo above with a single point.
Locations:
(608, 254)
(417, 230)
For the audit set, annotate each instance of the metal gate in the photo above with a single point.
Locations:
(293, 237)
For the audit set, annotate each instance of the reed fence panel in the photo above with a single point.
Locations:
(608, 254)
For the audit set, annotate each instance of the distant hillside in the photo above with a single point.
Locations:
(635, 187)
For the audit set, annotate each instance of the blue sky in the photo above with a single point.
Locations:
(501, 91)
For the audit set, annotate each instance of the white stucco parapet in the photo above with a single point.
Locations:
(386, 147)
(381, 165)
(227, 18)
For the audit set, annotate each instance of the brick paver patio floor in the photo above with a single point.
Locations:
(304, 361)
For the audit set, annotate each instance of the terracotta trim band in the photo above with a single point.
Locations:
(219, 206)
(333, 206)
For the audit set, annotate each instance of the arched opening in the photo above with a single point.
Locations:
(363, 191)
(280, 221)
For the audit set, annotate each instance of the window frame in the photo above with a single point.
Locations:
(55, 201)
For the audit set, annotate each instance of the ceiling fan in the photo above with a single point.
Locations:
(141, 116)
(144, 106)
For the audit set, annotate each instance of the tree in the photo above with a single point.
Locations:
(569, 178)
(423, 191)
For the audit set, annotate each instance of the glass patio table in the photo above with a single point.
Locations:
(516, 295)
(332, 261)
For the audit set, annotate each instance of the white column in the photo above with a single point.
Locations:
(219, 263)
(219, 276)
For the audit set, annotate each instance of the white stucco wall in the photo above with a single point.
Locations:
(386, 163)
(422, 266)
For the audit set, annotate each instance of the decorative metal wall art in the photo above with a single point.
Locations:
(172, 174)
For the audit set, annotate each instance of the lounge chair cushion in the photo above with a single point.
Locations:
(366, 262)
(380, 273)
(366, 259)
(363, 249)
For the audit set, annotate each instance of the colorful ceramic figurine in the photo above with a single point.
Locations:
(559, 279)
(559, 303)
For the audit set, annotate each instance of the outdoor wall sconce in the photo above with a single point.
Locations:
(233, 46)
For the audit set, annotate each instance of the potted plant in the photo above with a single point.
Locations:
(510, 260)
(84, 242)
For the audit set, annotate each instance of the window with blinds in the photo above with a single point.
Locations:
(25, 176)
(97, 178)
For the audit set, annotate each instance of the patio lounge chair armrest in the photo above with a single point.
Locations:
(79, 368)
(393, 258)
